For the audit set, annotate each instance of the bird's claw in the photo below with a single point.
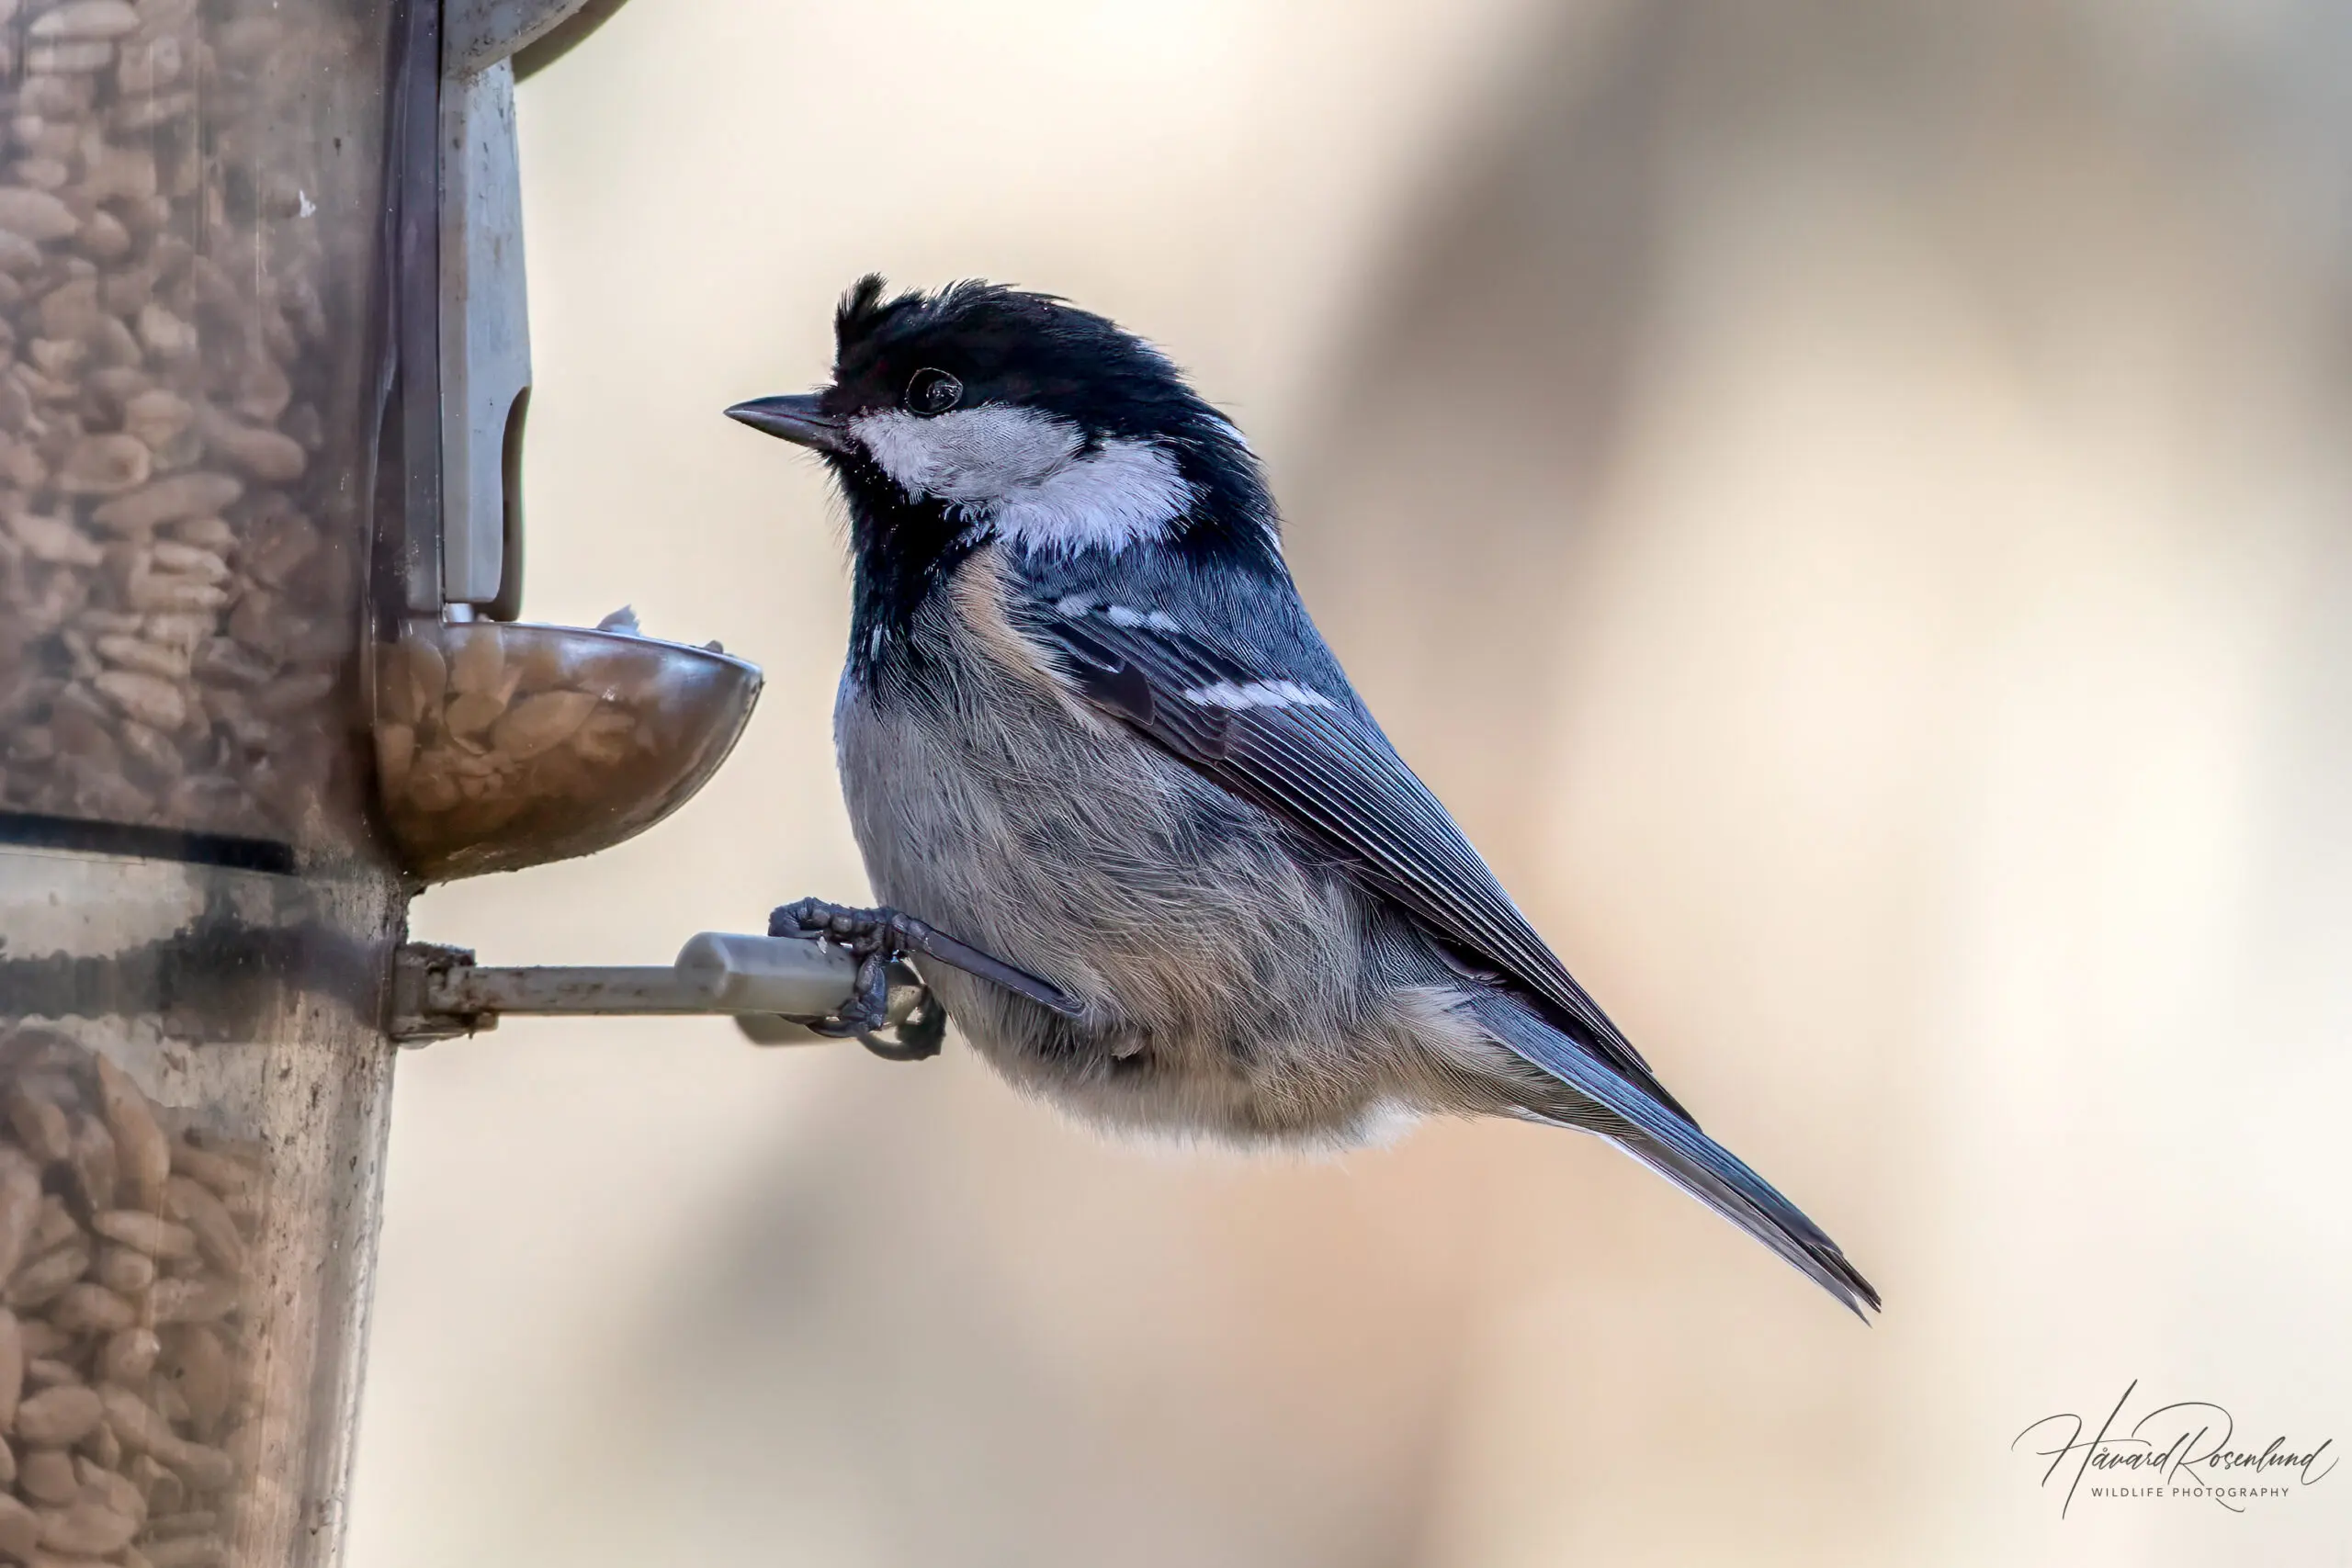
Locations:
(919, 1036)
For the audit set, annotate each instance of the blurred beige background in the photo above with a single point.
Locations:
(1849, 500)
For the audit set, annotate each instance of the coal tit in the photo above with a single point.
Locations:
(1087, 727)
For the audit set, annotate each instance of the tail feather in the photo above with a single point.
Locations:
(1670, 1145)
(1820, 1262)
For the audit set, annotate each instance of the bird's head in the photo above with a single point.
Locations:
(984, 411)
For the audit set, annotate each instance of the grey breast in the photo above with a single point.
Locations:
(986, 802)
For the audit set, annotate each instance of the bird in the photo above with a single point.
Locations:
(1125, 815)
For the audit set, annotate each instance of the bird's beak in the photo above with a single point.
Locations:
(796, 418)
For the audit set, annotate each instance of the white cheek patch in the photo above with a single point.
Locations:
(972, 455)
(1018, 474)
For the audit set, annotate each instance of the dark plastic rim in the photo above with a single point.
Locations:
(33, 829)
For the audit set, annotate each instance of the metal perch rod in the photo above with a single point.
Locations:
(769, 983)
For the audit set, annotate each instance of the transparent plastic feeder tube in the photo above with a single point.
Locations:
(197, 913)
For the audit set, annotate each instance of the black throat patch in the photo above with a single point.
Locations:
(902, 552)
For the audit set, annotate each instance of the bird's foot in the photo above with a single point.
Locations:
(877, 937)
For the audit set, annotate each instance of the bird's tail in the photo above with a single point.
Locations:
(1672, 1146)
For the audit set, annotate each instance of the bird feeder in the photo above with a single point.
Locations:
(263, 365)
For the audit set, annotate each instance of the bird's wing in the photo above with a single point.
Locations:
(1276, 723)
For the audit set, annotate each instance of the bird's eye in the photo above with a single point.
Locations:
(933, 391)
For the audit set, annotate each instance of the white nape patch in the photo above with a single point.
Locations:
(1018, 474)
(1257, 695)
